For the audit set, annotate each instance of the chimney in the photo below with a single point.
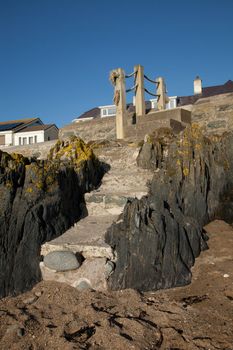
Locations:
(197, 86)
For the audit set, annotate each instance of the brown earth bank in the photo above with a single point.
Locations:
(198, 316)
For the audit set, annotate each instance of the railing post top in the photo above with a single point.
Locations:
(138, 66)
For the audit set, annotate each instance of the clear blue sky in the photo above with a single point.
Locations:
(55, 55)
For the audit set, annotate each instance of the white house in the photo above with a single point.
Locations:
(26, 131)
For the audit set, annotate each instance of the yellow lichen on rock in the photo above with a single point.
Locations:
(74, 150)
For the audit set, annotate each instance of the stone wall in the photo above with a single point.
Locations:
(215, 113)
(96, 129)
(38, 150)
(105, 128)
(152, 121)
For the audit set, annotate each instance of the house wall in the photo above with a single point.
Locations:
(8, 137)
(39, 134)
(51, 134)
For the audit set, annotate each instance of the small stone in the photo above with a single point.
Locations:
(61, 261)
(15, 329)
(38, 294)
(226, 275)
(229, 294)
(109, 268)
(30, 300)
(83, 285)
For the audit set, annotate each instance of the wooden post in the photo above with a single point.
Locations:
(140, 93)
(161, 91)
(120, 102)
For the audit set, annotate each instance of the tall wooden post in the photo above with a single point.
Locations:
(120, 102)
(140, 93)
(161, 91)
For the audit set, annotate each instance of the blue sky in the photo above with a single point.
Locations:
(56, 55)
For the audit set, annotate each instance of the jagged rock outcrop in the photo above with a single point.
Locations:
(158, 237)
(40, 200)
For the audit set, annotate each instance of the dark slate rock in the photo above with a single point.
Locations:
(160, 235)
(61, 261)
(40, 200)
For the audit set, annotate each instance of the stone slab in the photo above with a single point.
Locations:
(86, 237)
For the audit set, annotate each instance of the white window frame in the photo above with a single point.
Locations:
(104, 111)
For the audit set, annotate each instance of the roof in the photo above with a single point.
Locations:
(22, 121)
(92, 113)
(206, 92)
(17, 124)
(37, 128)
(95, 112)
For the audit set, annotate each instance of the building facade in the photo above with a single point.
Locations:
(25, 132)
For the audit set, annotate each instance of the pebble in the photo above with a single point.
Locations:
(61, 261)
(109, 268)
(30, 300)
(83, 285)
(226, 275)
(15, 329)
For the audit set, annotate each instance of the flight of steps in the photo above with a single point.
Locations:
(124, 180)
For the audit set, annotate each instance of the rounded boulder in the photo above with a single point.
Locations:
(61, 261)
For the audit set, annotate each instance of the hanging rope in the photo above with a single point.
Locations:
(150, 93)
(133, 88)
(152, 81)
(130, 75)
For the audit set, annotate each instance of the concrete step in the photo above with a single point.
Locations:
(99, 203)
(87, 239)
(124, 180)
(92, 274)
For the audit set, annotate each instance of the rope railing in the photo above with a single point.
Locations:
(130, 75)
(132, 88)
(150, 93)
(150, 80)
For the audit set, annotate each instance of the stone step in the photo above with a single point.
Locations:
(98, 209)
(108, 200)
(85, 237)
(92, 274)
(99, 203)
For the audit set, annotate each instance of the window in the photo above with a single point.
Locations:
(112, 111)
(108, 111)
(172, 103)
(154, 104)
(35, 139)
(30, 140)
(20, 140)
(24, 140)
(48, 138)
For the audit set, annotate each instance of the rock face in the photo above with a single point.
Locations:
(159, 236)
(40, 200)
